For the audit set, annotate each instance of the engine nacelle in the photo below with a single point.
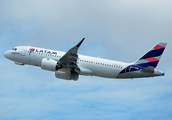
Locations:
(49, 64)
(66, 75)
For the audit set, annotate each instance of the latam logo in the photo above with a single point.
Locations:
(32, 49)
(46, 51)
(42, 51)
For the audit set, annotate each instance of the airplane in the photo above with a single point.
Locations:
(69, 65)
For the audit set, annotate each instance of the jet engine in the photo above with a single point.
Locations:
(49, 64)
(67, 75)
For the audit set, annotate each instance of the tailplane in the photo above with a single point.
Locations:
(152, 57)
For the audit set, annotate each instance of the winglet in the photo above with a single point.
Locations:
(80, 42)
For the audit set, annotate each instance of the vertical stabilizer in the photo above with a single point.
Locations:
(152, 57)
(148, 62)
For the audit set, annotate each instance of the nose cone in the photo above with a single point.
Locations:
(6, 54)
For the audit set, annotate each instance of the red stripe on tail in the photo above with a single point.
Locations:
(158, 47)
(151, 59)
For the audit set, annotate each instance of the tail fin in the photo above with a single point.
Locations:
(152, 57)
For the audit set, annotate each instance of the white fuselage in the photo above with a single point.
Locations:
(90, 66)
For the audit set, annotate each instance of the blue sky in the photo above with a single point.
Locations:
(118, 30)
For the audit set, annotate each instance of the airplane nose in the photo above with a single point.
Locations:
(6, 54)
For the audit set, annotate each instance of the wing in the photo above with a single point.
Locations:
(69, 60)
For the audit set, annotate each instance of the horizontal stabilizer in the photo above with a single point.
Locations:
(148, 69)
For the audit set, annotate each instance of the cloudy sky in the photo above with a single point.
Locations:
(121, 30)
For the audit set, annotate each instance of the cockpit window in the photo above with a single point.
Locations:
(14, 49)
